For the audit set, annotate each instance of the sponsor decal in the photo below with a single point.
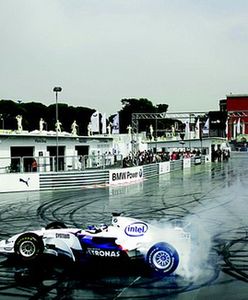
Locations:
(164, 167)
(24, 181)
(136, 229)
(124, 175)
(62, 235)
(102, 253)
(40, 140)
(197, 160)
(7, 248)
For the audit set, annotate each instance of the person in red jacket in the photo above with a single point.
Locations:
(34, 166)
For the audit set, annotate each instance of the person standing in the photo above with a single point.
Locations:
(34, 166)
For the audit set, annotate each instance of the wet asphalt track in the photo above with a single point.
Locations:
(212, 199)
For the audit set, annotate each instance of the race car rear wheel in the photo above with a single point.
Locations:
(28, 246)
(162, 258)
(56, 225)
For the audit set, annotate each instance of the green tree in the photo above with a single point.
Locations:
(32, 112)
(9, 110)
(141, 105)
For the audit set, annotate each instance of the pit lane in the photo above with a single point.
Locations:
(211, 198)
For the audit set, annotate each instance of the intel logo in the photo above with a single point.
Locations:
(136, 229)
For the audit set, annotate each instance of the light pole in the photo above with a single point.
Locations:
(57, 89)
(2, 119)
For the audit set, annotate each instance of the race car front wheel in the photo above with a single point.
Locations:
(162, 258)
(28, 246)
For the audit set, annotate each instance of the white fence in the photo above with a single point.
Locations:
(94, 177)
(65, 163)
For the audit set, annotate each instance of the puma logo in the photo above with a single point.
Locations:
(24, 181)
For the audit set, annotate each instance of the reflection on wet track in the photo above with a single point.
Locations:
(211, 199)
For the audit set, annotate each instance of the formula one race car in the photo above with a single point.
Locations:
(162, 249)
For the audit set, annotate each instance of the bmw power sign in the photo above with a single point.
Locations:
(125, 175)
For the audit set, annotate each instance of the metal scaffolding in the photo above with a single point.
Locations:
(182, 116)
(159, 116)
(237, 114)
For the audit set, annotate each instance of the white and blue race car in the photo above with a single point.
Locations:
(164, 250)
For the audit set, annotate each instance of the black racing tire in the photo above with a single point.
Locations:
(29, 246)
(162, 258)
(56, 225)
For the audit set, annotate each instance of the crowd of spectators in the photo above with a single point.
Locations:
(147, 157)
(220, 155)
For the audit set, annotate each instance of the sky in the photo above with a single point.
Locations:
(188, 54)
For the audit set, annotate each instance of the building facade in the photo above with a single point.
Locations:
(237, 115)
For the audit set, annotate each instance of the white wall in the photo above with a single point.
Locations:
(4, 155)
(19, 182)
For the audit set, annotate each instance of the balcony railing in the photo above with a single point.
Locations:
(65, 163)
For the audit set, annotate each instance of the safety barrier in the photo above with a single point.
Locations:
(97, 178)
(63, 180)
(11, 182)
(150, 170)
